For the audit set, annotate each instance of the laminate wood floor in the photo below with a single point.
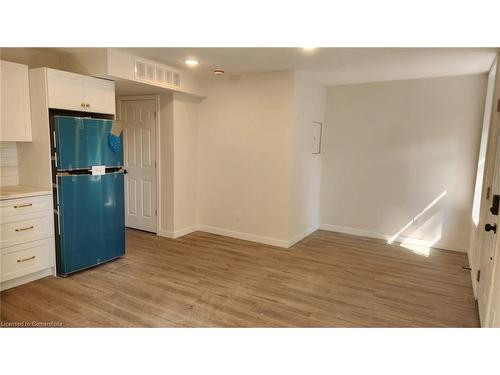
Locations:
(205, 280)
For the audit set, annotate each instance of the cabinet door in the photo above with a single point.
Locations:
(99, 95)
(15, 103)
(66, 90)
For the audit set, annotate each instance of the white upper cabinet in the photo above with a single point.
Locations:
(80, 93)
(99, 95)
(66, 90)
(15, 122)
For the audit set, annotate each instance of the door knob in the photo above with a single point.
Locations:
(490, 227)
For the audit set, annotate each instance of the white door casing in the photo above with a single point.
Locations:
(138, 118)
(488, 257)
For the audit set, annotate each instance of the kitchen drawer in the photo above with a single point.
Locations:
(11, 207)
(27, 258)
(28, 227)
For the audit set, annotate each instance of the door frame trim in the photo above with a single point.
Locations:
(489, 174)
(496, 243)
(488, 180)
(490, 157)
(156, 98)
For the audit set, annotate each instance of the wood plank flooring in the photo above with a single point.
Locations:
(205, 280)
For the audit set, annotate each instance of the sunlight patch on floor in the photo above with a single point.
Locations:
(421, 247)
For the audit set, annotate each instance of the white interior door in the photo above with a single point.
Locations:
(139, 137)
(488, 256)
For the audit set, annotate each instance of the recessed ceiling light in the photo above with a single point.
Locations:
(191, 62)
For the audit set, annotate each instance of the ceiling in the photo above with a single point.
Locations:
(330, 66)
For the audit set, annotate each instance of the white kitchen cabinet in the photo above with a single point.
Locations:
(66, 90)
(15, 122)
(80, 93)
(99, 95)
(27, 246)
(26, 259)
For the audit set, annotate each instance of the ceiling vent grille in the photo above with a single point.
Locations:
(152, 72)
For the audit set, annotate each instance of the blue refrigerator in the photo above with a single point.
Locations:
(89, 205)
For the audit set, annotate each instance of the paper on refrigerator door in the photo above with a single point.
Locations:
(98, 170)
(116, 128)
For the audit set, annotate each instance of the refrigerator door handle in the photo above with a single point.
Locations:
(58, 221)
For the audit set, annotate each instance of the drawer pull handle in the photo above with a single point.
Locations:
(26, 228)
(23, 205)
(26, 259)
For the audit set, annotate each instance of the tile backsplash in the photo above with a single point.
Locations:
(9, 173)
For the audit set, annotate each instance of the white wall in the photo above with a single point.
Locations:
(403, 150)
(185, 121)
(245, 146)
(257, 177)
(178, 164)
(166, 202)
(309, 107)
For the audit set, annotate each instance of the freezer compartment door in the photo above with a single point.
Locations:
(84, 142)
(91, 221)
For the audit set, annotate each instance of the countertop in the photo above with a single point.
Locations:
(21, 191)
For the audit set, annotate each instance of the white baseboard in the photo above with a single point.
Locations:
(353, 231)
(178, 233)
(386, 237)
(165, 233)
(182, 232)
(301, 236)
(238, 235)
(292, 241)
(244, 236)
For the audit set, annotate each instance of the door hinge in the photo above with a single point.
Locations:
(154, 114)
(498, 105)
(488, 191)
(478, 275)
(156, 212)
